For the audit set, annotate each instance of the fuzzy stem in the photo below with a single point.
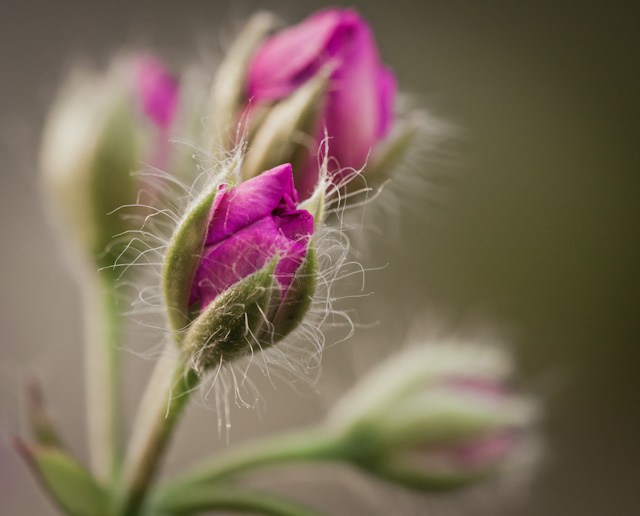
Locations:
(103, 373)
(303, 446)
(162, 405)
(200, 498)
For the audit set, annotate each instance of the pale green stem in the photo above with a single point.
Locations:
(162, 405)
(197, 499)
(304, 446)
(103, 373)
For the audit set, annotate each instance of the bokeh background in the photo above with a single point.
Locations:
(527, 229)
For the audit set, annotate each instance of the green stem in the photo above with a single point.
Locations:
(197, 499)
(166, 397)
(304, 446)
(104, 364)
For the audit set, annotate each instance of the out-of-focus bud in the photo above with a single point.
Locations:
(357, 109)
(240, 270)
(437, 417)
(100, 130)
(322, 76)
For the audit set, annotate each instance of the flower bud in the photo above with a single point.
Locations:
(100, 129)
(436, 417)
(240, 270)
(354, 103)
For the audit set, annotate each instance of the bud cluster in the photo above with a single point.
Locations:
(292, 117)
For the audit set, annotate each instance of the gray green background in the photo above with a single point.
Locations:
(527, 226)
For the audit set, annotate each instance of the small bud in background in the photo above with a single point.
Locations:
(437, 417)
(240, 268)
(101, 129)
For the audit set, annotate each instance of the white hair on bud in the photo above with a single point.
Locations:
(295, 359)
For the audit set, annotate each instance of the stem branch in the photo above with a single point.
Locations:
(303, 446)
(230, 498)
(166, 397)
(104, 364)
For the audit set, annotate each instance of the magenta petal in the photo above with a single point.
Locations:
(158, 91)
(251, 224)
(388, 87)
(246, 252)
(295, 225)
(250, 201)
(352, 115)
(357, 111)
(292, 56)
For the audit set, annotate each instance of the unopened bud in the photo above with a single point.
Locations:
(240, 270)
(437, 417)
(97, 133)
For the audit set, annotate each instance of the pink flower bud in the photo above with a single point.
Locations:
(250, 224)
(357, 111)
(157, 91)
(241, 269)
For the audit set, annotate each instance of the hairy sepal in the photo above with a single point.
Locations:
(392, 152)
(277, 139)
(232, 324)
(184, 256)
(292, 309)
(229, 85)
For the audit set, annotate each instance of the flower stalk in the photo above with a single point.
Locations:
(164, 401)
(314, 445)
(103, 374)
(202, 498)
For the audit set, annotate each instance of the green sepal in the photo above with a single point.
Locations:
(232, 324)
(112, 184)
(299, 296)
(279, 137)
(392, 152)
(229, 85)
(401, 472)
(316, 205)
(183, 257)
(69, 483)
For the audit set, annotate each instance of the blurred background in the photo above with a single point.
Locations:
(526, 228)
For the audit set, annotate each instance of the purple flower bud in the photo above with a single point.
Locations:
(250, 224)
(357, 110)
(241, 268)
